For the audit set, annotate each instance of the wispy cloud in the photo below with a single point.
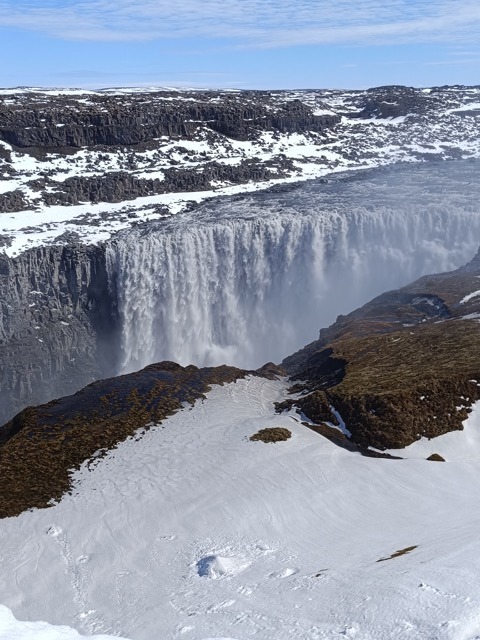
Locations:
(252, 23)
(453, 63)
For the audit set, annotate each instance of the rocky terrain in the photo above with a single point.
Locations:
(91, 163)
(404, 366)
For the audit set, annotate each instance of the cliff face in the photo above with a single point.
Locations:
(115, 122)
(57, 324)
(119, 186)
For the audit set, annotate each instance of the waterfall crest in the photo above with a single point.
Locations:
(244, 284)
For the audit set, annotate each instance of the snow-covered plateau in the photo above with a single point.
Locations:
(92, 163)
(196, 532)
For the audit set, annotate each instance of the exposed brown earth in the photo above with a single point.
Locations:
(435, 457)
(400, 552)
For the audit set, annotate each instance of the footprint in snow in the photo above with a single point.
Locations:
(284, 573)
(54, 531)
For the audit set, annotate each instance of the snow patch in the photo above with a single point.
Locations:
(470, 296)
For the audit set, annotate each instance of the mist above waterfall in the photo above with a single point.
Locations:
(250, 279)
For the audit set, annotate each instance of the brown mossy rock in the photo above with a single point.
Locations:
(402, 386)
(41, 446)
(406, 385)
(272, 434)
(436, 457)
(272, 371)
(404, 366)
(317, 407)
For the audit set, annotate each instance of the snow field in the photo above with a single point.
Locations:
(195, 532)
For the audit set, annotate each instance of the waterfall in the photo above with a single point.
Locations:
(248, 281)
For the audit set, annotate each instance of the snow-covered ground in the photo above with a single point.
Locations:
(194, 532)
(13, 629)
(451, 131)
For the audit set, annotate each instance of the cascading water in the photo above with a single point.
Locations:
(252, 279)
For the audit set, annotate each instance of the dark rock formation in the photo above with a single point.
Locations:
(52, 123)
(119, 186)
(57, 324)
(435, 457)
(12, 201)
(39, 125)
(394, 101)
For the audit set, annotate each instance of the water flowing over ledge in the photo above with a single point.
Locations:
(253, 278)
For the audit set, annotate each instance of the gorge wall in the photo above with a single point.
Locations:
(57, 323)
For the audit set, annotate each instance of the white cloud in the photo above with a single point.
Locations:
(257, 23)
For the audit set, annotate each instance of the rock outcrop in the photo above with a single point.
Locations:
(119, 186)
(61, 123)
(404, 366)
(395, 101)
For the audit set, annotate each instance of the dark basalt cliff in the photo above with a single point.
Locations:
(404, 366)
(119, 121)
(39, 125)
(116, 187)
(57, 324)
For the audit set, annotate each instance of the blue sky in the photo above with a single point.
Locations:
(239, 43)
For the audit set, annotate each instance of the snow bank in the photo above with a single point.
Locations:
(13, 629)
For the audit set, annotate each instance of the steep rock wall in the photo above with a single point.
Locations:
(107, 121)
(57, 324)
